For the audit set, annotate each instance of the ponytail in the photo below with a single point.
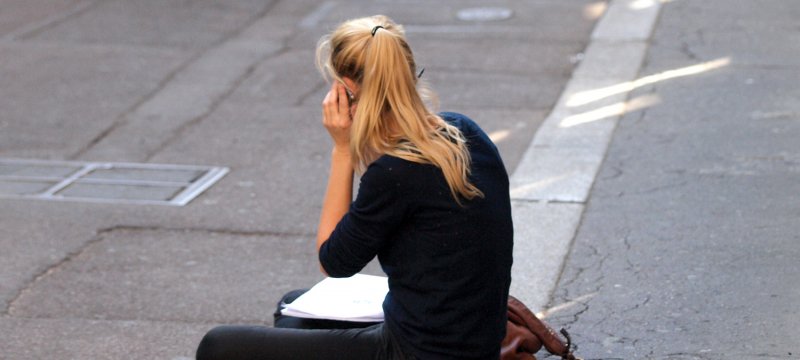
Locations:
(392, 117)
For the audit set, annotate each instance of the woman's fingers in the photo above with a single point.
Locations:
(329, 110)
(344, 101)
(336, 115)
(326, 115)
(336, 109)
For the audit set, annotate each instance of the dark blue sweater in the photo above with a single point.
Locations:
(449, 267)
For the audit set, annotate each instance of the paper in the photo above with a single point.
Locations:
(358, 298)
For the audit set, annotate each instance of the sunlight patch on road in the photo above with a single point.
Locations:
(595, 10)
(589, 96)
(618, 109)
(569, 304)
(499, 135)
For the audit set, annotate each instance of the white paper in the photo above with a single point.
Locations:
(357, 298)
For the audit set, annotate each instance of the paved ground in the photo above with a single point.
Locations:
(215, 83)
(688, 248)
(665, 166)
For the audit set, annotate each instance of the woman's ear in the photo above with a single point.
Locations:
(351, 85)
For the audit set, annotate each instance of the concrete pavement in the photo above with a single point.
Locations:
(663, 166)
(229, 84)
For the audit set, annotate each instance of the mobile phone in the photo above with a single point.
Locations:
(350, 97)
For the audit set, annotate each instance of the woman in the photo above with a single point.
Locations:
(433, 206)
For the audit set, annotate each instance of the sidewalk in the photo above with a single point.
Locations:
(229, 84)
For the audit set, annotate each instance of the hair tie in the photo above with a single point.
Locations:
(375, 29)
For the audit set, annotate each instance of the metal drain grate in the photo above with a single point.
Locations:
(106, 182)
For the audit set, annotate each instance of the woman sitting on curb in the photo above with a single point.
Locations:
(433, 206)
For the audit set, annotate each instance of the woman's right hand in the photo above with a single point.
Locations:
(336, 117)
(339, 194)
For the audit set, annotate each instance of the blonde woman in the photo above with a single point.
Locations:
(433, 206)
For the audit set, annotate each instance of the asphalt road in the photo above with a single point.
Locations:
(688, 247)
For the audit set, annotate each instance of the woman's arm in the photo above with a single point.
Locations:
(339, 193)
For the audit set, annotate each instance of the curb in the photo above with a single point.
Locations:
(550, 187)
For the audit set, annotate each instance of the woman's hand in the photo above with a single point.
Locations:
(336, 117)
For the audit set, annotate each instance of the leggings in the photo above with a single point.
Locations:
(296, 338)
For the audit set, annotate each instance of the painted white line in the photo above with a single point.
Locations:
(552, 183)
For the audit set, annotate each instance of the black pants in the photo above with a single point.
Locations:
(296, 338)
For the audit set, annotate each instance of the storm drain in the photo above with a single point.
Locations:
(106, 182)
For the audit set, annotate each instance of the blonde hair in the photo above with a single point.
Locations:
(373, 52)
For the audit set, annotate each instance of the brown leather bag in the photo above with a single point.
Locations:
(526, 334)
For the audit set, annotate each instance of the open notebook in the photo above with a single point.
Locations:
(357, 298)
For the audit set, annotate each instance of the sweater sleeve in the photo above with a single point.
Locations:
(371, 220)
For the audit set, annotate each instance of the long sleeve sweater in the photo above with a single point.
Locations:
(448, 265)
